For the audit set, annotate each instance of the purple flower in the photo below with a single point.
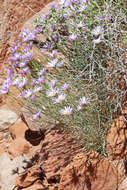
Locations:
(65, 3)
(60, 98)
(103, 18)
(83, 1)
(52, 63)
(16, 57)
(32, 35)
(22, 64)
(5, 87)
(66, 111)
(25, 71)
(53, 83)
(27, 35)
(34, 81)
(13, 50)
(42, 72)
(28, 93)
(60, 64)
(55, 37)
(80, 25)
(38, 29)
(52, 92)
(53, 54)
(22, 94)
(22, 83)
(16, 81)
(47, 45)
(97, 41)
(79, 107)
(82, 8)
(97, 31)
(43, 51)
(53, 5)
(41, 80)
(72, 37)
(33, 97)
(37, 89)
(83, 100)
(37, 115)
(15, 47)
(10, 72)
(28, 56)
(65, 86)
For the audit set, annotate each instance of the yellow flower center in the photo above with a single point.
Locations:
(61, 99)
(53, 93)
(66, 113)
(98, 33)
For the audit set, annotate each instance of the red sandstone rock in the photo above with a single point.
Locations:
(123, 185)
(35, 187)
(89, 171)
(117, 138)
(18, 147)
(28, 178)
(18, 130)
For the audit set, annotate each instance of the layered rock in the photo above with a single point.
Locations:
(89, 171)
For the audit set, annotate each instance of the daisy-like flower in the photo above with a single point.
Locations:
(16, 57)
(33, 97)
(53, 54)
(28, 56)
(83, 100)
(22, 64)
(25, 71)
(60, 64)
(80, 25)
(79, 107)
(97, 41)
(53, 83)
(65, 3)
(37, 115)
(37, 89)
(66, 111)
(22, 83)
(22, 94)
(52, 93)
(41, 80)
(28, 93)
(16, 82)
(82, 8)
(72, 37)
(42, 72)
(34, 81)
(52, 63)
(65, 86)
(97, 31)
(60, 98)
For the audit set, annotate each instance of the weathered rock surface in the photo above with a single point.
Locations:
(18, 147)
(9, 170)
(58, 149)
(117, 138)
(18, 130)
(123, 185)
(56, 152)
(7, 117)
(89, 171)
(29, 177)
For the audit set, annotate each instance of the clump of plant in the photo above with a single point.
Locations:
(85, 87)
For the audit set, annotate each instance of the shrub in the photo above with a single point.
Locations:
(85, 87)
